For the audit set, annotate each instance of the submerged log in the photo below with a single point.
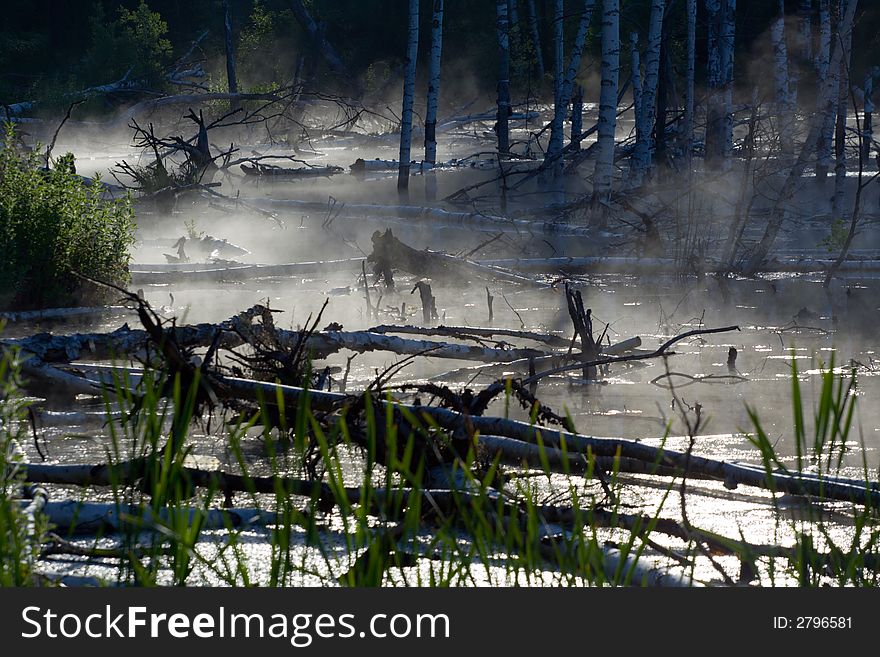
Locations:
(268, 170)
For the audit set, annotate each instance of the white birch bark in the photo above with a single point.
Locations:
(845, 40)
(577, 117)
(604, 172)
(502, 29)
(806, 30)
(728, 38)
(648, 112)
(687, 126)
(558, 50)
(409, 85)
(433, 97)
(636, 80)
(823, 152)
(714, 111)
(566, 87)
(784, 109)
(868, 118)
(536, 37)
(719, 122)
(782, 207)
(231, 76)
(434, 82)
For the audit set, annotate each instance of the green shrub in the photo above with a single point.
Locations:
(134, 43)
(53, 224)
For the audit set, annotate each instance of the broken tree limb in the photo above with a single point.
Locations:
(126, 342)
(473, 332)
(660, 351)
(316, 32)
(732, 474)
(93, 517)
(548, 361)
(271, 170)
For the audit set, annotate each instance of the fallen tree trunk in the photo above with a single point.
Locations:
(622, 265)
(265, 170)
(157, 275)
(81, 518)
(732, 474)
(458, 121)
(551, 361)
(471, 332)
(62, 313)
(378, 165)
(48, 348)
(470, 220)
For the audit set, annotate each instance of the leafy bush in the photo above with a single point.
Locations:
(53, 224)
(134, 43)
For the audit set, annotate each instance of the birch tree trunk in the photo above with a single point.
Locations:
(784, 110)
(512, 14)
(409, 86)
(648, 112)
(728, 42)
(433, 98)
(845, 40)
(868, 119)
(577, 117)
(566, 87)
(806, 29)
(311, 27)
(502, 29)
(782, 206)
(687, 125)
(714, 110)
(434, 83)
(636, 81)
(823, 66)
(604, 172)
(231, 76)
(558, 51)
(536, 37)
